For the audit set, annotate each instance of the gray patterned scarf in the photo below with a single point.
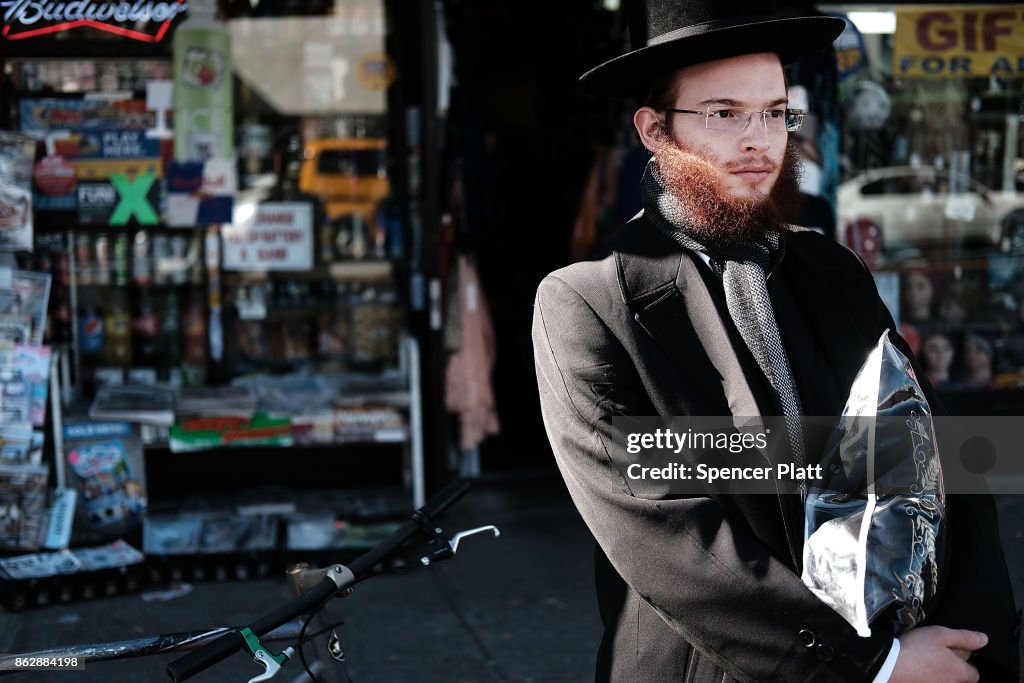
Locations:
(743, 268)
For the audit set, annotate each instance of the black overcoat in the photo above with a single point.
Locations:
(706, 587)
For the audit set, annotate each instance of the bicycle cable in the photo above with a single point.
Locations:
(302, 640)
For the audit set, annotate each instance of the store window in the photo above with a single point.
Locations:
(931, 181)
(205, 214)
(283, 106)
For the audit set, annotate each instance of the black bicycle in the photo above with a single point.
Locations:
(299, 622)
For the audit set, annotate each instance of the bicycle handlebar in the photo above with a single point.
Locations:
(231, 642)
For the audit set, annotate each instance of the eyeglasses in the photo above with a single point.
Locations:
(734, 119)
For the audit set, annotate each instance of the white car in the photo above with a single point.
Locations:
(905, 211)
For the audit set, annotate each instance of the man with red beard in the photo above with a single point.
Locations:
(712, 304)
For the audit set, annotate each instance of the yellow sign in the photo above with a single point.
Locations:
(947, 42)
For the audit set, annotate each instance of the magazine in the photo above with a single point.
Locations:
(17, 157)
(22, 506)
(24, 296)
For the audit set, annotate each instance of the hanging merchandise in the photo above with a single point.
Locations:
(468, 389)
(203, 92)
(868, 107)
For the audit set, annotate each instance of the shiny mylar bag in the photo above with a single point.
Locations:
(873, 528)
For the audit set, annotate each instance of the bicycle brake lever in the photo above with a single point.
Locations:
(271, 663)
(453, 545)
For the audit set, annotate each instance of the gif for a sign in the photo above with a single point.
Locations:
(959, 43)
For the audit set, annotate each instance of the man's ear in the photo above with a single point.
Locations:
(648, 123)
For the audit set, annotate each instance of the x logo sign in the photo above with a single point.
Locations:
(134, 199)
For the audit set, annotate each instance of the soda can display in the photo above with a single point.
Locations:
(101, 270)
(121, 259)
(83, 258)
(142, 258)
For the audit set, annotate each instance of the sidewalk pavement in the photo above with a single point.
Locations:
(519, 608)
(515, 608)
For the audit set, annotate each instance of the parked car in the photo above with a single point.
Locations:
(915, 210)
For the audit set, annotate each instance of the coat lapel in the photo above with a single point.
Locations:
(660, 286)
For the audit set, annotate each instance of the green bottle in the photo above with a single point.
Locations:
(203, 101)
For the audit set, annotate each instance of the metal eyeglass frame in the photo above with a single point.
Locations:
(794, 118)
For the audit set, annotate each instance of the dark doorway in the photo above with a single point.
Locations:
(518, 63)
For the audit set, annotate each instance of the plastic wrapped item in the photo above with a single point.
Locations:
(872, 534)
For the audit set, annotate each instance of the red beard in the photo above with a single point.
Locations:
(711, 213)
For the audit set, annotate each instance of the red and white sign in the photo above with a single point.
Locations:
(274, 236)
(145, 20)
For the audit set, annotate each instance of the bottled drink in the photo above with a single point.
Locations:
(90, 339)
(178, 260)
(117, 332)
(84, 259)
(170, 332)
(102, 267)
(145, 332)
(142, 258)
(195, 255)
(255, 147)
(161, 252)
(90, 330)
(194, 331)
(62, 269)
(60, 324)
(120, 274)
(287, 189)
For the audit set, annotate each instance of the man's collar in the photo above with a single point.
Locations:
(647, 262)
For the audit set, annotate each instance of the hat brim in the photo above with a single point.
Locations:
(791, 38)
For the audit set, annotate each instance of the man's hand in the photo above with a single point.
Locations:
(936, 654)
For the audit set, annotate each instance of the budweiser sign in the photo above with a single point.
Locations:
(145, 20)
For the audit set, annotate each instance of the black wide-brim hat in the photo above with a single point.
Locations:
(679, 33)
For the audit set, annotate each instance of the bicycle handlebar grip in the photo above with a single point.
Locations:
(445, 498)
(205, 657)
